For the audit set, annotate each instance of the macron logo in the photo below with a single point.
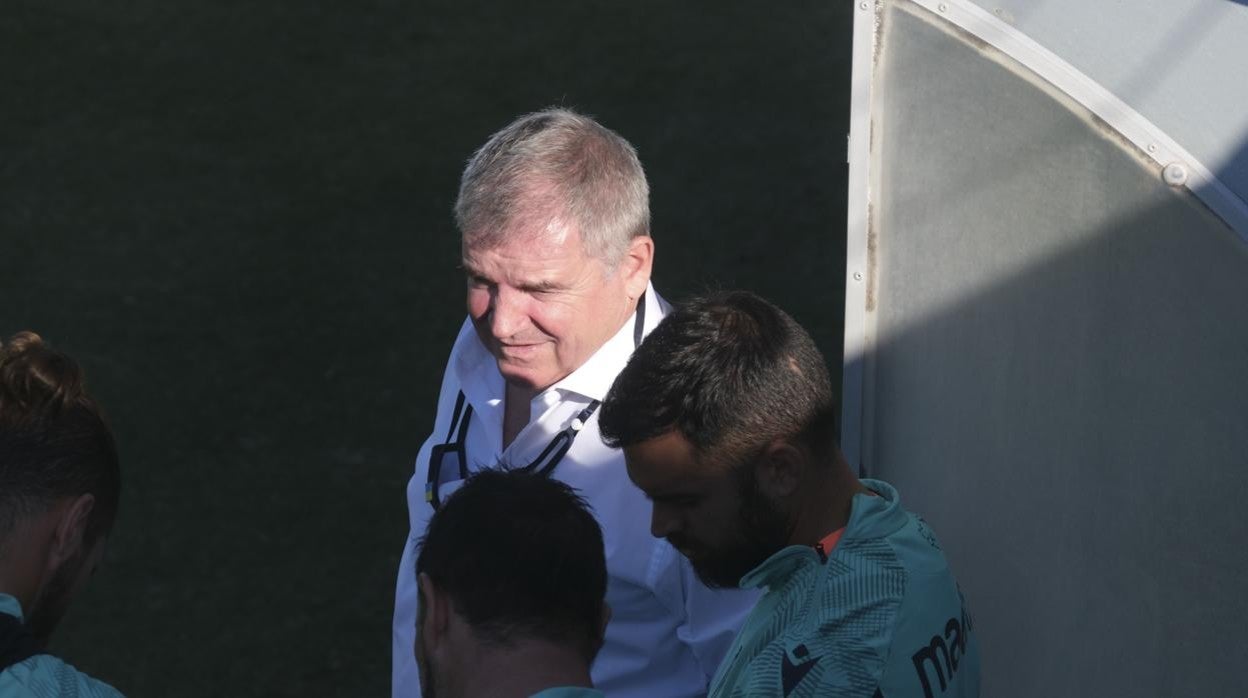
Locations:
(942, 654)
(792, 674)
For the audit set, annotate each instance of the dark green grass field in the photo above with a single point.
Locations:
(237, 216)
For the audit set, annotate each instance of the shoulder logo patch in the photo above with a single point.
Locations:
(926, 532)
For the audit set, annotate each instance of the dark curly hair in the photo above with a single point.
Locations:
(729, 371)
(54, 442)
(521, 555)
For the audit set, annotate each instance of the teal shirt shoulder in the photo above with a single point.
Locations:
(881, 617)
(45, 676)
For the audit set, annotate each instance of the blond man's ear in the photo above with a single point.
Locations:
(70, 531)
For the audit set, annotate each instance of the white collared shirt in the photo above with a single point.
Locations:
(668, 632)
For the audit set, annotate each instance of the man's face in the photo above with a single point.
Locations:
(714, 515)
(542, 306)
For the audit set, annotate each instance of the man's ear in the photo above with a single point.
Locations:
(637, 264)
(780, 469)
(70, 530)
(435, 612)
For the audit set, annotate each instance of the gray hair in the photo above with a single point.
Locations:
(556, 167)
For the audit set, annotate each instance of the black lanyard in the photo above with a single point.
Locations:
(544, 464)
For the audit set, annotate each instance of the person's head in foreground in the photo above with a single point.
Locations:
(727, 421)
(726, 417)
(59, 486)
(59, 480)
(512, 576)
(554, 217)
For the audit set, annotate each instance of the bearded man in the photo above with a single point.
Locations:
(726, 418)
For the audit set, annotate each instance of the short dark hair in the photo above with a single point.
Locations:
(54, 442)
(729, 371)
(521, 556)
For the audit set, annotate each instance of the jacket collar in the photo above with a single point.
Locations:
(10, 606)
(869, 518)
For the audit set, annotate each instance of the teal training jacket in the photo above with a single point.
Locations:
(882, 616)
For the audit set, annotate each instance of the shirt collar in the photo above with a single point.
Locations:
(595, 377)
(10, 606)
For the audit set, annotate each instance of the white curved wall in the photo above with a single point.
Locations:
(1052, 361)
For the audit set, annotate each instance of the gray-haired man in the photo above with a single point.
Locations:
(554, 217)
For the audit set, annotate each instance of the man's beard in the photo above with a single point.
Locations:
(762, 530)
(53, 600)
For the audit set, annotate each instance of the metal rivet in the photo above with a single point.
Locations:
(857, 276)
(942, 7)
(1152, 147)
(1175, 174)
(862, 5)
(577, 425)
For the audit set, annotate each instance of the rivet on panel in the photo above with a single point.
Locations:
(862, 5)
(1175, 174)
(1152, 147)
(857, 276)
(942, 7)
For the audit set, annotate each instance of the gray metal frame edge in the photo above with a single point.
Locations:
(858, 275)
(1132, 125)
